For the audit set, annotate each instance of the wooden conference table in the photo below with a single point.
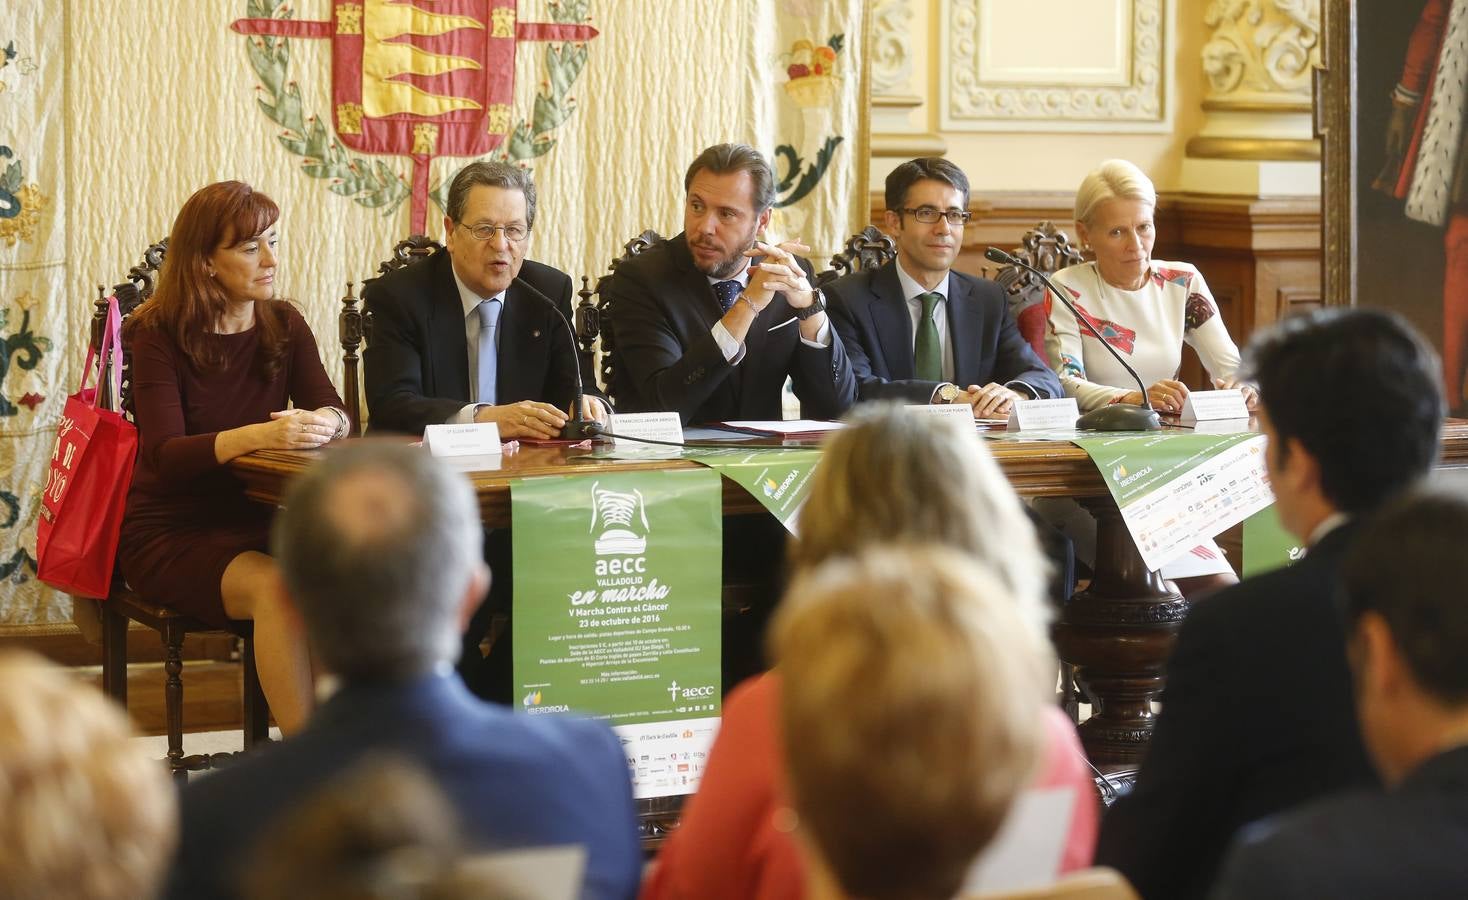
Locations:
(1117, 633)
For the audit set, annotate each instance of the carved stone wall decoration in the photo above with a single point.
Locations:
(1261, 52)
(1126, 94)
(891, 47)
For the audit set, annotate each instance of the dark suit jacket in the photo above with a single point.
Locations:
(416, 365)
(666, 358)
(1257, 717)
(1408, 842)
(872, 318)
(515, 781)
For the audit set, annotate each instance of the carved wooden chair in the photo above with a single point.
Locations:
(594, 315)
(1048, 249)
(123, 605)
(867, 249)
(354, 324)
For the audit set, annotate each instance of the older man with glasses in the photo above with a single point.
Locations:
(920, 332)
(468, 334)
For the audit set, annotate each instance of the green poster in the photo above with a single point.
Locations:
(617, 612)
(778, 478)
(1176, 490)
(1266, 543)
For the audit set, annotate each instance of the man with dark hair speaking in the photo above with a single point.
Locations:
(1409, 627)
(379, 551)
(1257, 716)
(709, 323)
(920, 332)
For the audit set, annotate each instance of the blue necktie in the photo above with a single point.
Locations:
(489, 319)
(726, 292)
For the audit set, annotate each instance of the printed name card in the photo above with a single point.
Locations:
(1043, 415)
(1210, 406)
(477, 439)
(657, 426)
(961, 412)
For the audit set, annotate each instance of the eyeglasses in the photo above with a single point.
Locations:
(930, 214)
(514, 232)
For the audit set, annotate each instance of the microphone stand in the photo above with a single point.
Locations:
(1113, 416)
(578, 427)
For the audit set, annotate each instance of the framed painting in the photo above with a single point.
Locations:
(1392, 112)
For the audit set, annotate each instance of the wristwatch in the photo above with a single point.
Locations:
(817, 305)
(946, 393)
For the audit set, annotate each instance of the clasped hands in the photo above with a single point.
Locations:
(991, 401)
(778, 272)
(303, 429)
(1167, 396)
(535, 420)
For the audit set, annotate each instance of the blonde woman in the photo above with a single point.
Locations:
(891, 476)
(87, 814)
(911, 685)
(1146, 309)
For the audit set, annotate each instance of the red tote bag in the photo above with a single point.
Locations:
(91, 471)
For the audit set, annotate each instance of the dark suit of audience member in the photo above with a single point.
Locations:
(416, 365)
(872, 317)
(663, 311)
(1257, 715)
(1408, 626)
(379, 547)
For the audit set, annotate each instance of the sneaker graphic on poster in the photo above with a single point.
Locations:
(618, 515)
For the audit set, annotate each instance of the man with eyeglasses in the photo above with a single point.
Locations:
(710, 323)
(919, 332)
(460, 336)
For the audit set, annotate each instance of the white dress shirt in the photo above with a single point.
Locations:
(911, 291)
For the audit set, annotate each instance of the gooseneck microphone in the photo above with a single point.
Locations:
(578, 427)
(1114, 416)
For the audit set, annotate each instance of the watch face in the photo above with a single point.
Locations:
(948, 393)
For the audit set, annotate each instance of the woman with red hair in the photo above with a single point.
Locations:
(220, 368)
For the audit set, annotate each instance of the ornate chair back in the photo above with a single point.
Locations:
(594, 314)
(1048, 249)
(354, 324)
(131, 293)
(867, 249)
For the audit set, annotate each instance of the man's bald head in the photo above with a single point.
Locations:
(377, 545)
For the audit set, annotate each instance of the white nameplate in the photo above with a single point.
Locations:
(476, 439)
(1210, 406)
(1043, 415)
(657, 426)
(961, 412)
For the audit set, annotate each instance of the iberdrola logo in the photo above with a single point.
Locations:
(414, 78)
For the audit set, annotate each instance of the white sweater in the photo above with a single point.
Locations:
(1147, 327)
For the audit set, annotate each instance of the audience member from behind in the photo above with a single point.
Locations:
(86, 813)
(1257, 716)
(381, 831)
(379, 547)
(221, 368)
(1409, 625)
(911, 681)
(939, 487)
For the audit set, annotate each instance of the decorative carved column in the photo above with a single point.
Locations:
(1258, 138)
(895, 136)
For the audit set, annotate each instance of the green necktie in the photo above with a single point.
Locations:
(926, 351)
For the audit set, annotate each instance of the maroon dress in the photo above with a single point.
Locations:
(187, 515)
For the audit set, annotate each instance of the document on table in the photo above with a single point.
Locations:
(785, 427)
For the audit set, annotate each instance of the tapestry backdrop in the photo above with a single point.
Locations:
(354, 116)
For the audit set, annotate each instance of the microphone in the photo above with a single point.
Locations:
(1114, 416)
(578, 427)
